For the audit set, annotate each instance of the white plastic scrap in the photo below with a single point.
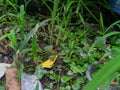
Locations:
(91, 68)
(29, 82)
(3, 68)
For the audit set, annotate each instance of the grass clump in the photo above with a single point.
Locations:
(72, 31)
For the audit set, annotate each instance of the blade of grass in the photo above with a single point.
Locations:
(22, 20)
(12, 4)
(20, 71)
(55, 8)
(29, 35)
(82, 19)
(113, 24)
(27, 38)
(44, 2)
(104, 73)
(11, 36)
(106, 86)
(14, 40)
(89, 11)
(68, 5)
(102, 22)
(97, 42)
(34, 47)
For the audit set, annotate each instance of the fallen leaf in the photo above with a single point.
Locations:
(48, 63)
(3, 68)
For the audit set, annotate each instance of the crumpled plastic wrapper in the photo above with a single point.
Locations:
(29, 82)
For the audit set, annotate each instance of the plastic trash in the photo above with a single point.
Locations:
(29, 82)
(115, 5)
(91, 69)
(3, 68)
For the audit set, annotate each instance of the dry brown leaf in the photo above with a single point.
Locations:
(12, 82)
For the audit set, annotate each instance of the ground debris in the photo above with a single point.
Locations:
(12, 82)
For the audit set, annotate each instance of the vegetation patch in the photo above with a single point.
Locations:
(67, 45)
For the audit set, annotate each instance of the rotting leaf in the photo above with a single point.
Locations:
(48, 63)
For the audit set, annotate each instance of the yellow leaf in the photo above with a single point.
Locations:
(48, 63)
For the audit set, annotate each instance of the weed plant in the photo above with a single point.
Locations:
(67, 33)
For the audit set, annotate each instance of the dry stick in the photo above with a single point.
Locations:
(12, 82)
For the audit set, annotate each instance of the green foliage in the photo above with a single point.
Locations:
(2, 88)
(12, 3)
(34, 47)
(100, 42)
(22, 20)
(11, 36)
(77, 82)
(112, 25)
(68, 33)
(82, 2)
(40, 72)
(54, 16)
(48, 48)
(99, 79)
(65, 79)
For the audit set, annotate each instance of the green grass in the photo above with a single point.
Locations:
(74, 32)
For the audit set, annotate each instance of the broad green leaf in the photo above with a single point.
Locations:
(76, 84)
(61, 88)
(54, 76)
(77, 68)
(65, 79)
(68, 88)
(104, 74)
(40, 72)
